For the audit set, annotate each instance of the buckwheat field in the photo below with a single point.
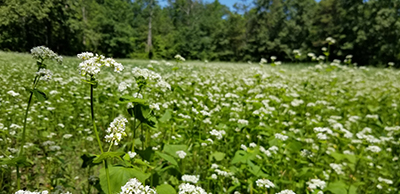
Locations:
(91, 124)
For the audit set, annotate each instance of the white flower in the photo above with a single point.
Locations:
(12, 93)
(330, 40)
(116, 130)
(214, 176)
(131, 154)
(85, 55)
(91, 66)
(191, 178)
(243, 121)
(316, 183)
(181, 154)
(179, 58)
(30, 192)
(218, 134)
(186, 188)
(286, 191)
(273, 58)
(45, 74)
(264, 183)
(67, 136)
(337, 168)
(135, 186)
(374, 149)
(281, 137)
(42, 53)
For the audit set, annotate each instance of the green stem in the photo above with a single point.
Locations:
(18, 179)
(108, 176)
(134, 135)
(93, 120)
(98, 138)
(24, 129)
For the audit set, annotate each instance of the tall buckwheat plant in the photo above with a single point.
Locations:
(90, 67)
(41, 54)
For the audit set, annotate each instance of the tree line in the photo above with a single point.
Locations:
(368, 30)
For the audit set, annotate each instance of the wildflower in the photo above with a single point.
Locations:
(179, 58)
(44, 74)
(91, 65)
(337, 168)
(42, 53)
(190, 178)
(374, 149)
(243, 121)
(29, 192)
(391, 64)
(135, 186)
(131, 154)
(12, 93)
(316, 183)
(116, 130)
(67, 136)
(263, 61)
(286, 191)
(281, 137)
(273, 58)
(387, 181)
(264, 183)
(181, 154)
(330, 40)
(214, 176)
(218, 134)
(186, 188)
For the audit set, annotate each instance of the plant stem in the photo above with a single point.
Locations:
(98, 138)
(93, 120)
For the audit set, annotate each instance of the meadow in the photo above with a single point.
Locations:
(198, 127)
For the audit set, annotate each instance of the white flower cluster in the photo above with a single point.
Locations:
(179, 58)
(191, 178)
(186, 188)
(31, 192)
(375, 149)
(337, 168)
(330, 40)
(315, 184)
(387, 181)
(45, 74)
(42, 52)
(150, 76)
(91, 64)
(181, 154)
(135, 186)
(116, 130)
(297, 52)
(264, 183)
(263, 61)
(281, 137)
(286, 191)
(218, 134)
(12, 93)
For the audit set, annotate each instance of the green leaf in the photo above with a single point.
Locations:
(94, 82)
(338, 157)
(143, 114)
(165, 189)
(168, 158)
(240, 156)
(172, 149)
(119, 176)
(88, 160)
(166, 117)
(20, 161)
(41, 96)
(127, 99)
(353, 190)
(337, 187)
(107, 155)
(218, 156)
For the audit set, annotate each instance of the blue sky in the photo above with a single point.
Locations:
(229, 3)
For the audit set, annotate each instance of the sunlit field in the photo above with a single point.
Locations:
(199, 127)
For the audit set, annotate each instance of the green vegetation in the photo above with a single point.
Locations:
(218, 127)
(368, 30)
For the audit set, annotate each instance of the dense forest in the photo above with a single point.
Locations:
(199, 30)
